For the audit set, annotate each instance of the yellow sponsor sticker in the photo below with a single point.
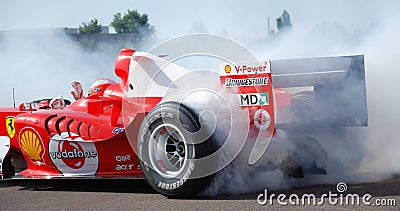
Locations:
(10, 126)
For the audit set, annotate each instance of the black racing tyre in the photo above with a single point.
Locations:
(167, 155)
(311, 155)
(7, 168)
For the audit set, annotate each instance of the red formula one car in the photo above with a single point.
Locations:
(104, 134)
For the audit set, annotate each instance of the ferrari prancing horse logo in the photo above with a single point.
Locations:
(10, 126)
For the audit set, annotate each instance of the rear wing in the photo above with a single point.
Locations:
(337, 82)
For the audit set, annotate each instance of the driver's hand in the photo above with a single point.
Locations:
(78, 91)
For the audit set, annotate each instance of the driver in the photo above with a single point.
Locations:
(97, 88)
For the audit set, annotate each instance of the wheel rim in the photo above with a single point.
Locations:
(167, 150)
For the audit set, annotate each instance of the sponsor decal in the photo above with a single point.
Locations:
(124, 167)
(117, 130)
(72, 155)
(177, 184)
(250, 69)
(31, 144)
(262, 119)
(244, 68)
(121, 158)
(231, 82)
(228, 69)
(162, 165)
(94, 90)
(253, 99)
(10, 126)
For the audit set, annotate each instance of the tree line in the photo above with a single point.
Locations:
(131, 22)
(137, 25)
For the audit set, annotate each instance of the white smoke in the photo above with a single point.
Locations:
(355, 155)
(382, 52)
(42, 64)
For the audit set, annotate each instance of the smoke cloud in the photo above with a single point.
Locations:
(42, 64)
(355, 155)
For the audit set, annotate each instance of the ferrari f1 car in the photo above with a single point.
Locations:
(130, 130)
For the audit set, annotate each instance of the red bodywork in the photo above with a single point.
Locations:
(86, 138)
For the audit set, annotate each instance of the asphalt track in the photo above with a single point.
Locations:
(137, 195)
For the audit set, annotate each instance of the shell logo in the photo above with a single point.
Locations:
(228, 68)
(31, 144)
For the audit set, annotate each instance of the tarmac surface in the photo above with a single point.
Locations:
(137, 195)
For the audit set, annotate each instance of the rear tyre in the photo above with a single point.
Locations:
(311, 155)
(167, 154)
(306, 113)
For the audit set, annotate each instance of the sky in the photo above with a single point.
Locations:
(172, 18)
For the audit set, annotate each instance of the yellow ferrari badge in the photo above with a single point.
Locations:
(10, 126)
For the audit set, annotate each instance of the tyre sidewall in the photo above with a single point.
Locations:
(181, 185)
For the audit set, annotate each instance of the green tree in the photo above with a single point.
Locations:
(283, 22)
(93, 27)
(134, 23)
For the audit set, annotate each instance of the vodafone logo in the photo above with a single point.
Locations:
(72, 155)
(262, 119)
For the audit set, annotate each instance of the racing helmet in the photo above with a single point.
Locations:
(99, 86)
